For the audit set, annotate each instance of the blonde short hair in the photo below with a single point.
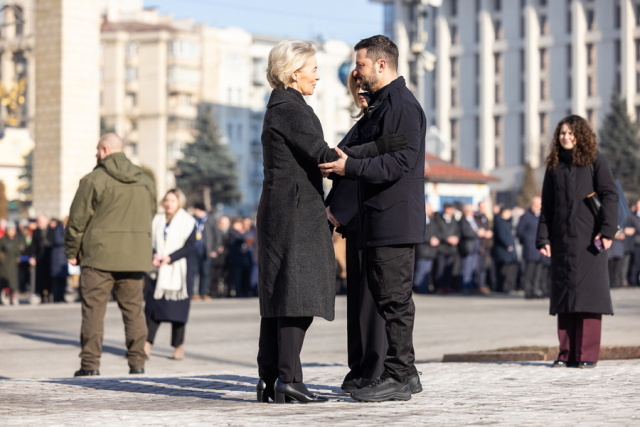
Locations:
(182, 200)
(353, 90)
(286, 58)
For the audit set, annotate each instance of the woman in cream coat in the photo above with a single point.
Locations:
(166, 298)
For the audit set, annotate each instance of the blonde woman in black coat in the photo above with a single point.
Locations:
(296, 259)
(569, 233)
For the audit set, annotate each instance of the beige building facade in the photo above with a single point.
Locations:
(112, 65)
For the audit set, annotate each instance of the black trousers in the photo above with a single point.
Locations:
(535, 279)
(390, 276)
(507, 277)
(177, 332)
(366, 335)
(279, 348)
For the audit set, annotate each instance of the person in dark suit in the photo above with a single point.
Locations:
(296, 259)
(41, 259)
(366, 339)
(468, 247)
(391, 205)
(425, 255)
(486, 241)
(504, 252)
(447, 230)
(576, 242)
(536, 268)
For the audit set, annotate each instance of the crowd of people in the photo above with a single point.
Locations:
(32, 260)
(469, 250)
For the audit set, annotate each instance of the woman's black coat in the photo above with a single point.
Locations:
(504, 243)
(579, 273)
(296, 260)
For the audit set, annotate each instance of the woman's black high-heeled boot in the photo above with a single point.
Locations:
(298, 391)
(262, 392)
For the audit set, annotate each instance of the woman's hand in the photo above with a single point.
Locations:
(606, 243)
(546, 250)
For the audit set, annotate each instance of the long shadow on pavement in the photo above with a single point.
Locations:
(213, 387)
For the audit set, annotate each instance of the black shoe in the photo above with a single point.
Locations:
(560, 364)
(264, 391)
(383, 389)
(296, 391)
(414, 383)
(586, 365)
(349, 385)
(136, 371)
(86, 373)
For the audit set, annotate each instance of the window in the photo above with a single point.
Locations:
(497, 126)
(455, 39)
(497, 5)
(454, 97)
(543, 59)
(590, 54)
(569, 16)
(544, 24)
(618, 52)
(498, 153)
(183, 75)
(132, 49)
(637, 50)
(591, 86)
(522, 124)
(591, 20)
(544, 90)
(497, 60)
(569, 56)
(454, 129)
(131, 74)
(186, 49)
(131, 99)
(497, 27)
(591, 117)
(454, 7)
(544, 126)
(569, 86)
(498, 93)
(454, 68)
(616, 14)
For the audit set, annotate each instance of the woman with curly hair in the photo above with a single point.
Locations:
(569, 233)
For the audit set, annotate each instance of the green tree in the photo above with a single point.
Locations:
(528, 188)
(207, 171)
(26, 177)
(620, 143)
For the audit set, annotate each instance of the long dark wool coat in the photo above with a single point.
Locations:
(296, 259)
(579, 273)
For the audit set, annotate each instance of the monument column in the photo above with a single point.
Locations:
(67, 91)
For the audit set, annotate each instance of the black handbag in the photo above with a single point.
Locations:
(594, 204)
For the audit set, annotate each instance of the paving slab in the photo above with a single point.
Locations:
(215, 384)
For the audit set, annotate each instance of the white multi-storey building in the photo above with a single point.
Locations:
(508, 70)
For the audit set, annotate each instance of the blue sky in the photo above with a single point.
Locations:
(347, 20)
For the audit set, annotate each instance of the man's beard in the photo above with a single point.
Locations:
(370, 84)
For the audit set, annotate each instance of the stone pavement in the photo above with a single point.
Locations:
(215, 384)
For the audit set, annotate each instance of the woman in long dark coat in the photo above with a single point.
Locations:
(569, 233)
(296, 259)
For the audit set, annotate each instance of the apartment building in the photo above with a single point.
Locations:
(508, 70)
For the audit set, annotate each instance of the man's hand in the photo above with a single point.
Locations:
(337, 166)
(213, 254)
(332, 219)
(73, 261)
(546, 250)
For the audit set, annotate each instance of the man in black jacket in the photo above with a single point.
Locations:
(391, 204)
